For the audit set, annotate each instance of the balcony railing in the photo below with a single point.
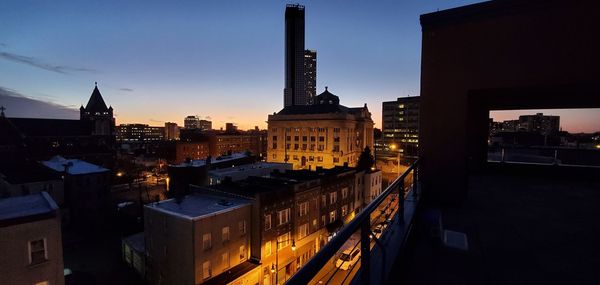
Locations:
(377, 234)
(545, 156)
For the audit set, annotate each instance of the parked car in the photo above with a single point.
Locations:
(348, 258)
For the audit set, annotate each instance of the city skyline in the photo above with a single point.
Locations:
(179, 60)
(189, 57)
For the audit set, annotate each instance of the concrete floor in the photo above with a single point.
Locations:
(521, 230)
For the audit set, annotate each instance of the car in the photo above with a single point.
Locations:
(378, 230)
(348, 258)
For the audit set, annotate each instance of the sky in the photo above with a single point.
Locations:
(158, 61)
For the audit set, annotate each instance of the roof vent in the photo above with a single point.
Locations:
(224, 202)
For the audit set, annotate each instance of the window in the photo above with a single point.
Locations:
(336, 159)
(336, 130)
(344, 210)
(319, 159)
(268, 248)
(225, 260)
(283, 240)
(274, 145)
(283, 217)
(225, 234)
(206, 241)
(302, 230)
(37, 251)
(304, 138)
(242, 227)
(323, 200)
(296, 146)
(320, 147)
(303, 209)
(296, 138)
(267, 222)
(321, 138)
(332, 197)
(323, 220)
(206, 270)
(313, 139)
(332, 216)
(344, 193)
(274, 138)
(242, 252)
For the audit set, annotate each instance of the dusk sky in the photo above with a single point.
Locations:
(158, 61)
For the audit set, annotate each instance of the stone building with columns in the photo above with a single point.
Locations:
(323, 134)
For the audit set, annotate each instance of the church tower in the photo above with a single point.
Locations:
(101, 117)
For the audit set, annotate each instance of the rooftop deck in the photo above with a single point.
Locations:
(521, 230)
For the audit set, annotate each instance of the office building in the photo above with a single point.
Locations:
(310, 74)
(31, 241)
(539, 123)
(294, 92)
(139, 133)
(400, 128)
(171, 131)
(324, 134)
(205, 125)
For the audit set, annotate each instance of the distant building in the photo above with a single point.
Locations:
(30, 241)
(310, 74)
(194, 150)
(324, 134)
(139, 133)
(191, 122)
(230, 127)
(171, 131)
(101, 116)
(87, 189)
(294, 92)
(199, 239)
(400, 128)
(540, 123)
(205, 125)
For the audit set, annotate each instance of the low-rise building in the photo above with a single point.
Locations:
(30, 241)
(25, 178)
(197, 239)
(87, 189)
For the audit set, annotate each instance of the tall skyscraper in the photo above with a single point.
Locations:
(294, 92)
(310, 74)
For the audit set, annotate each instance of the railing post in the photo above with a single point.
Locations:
(401, 200)
(365, 252)
(415, 180)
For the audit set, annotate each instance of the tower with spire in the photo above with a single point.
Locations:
(100, 116)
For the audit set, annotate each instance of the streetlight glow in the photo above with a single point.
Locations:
(293, 245)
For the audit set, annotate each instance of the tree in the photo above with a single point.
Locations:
(365, 160)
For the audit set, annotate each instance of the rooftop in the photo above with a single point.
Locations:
(26, 206)
(246, 167)
(521, 229)
(202, 162)
(26, 172)
(73, 166)
(196, 206)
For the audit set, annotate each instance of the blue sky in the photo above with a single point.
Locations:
(158, 61)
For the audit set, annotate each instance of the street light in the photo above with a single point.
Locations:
(394, 147)
(276, 266)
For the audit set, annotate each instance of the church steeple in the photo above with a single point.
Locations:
(96, 103)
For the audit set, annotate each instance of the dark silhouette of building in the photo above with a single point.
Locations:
(310, 74)
(92, 138)
(294, 92)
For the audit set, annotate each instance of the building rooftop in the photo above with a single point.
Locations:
(196, 205)
(74, 166)
(202, 162)
(26, 172)
(521, 229)
(15, 208)
(33, 127)
(247, 167)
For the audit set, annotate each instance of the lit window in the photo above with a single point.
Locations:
(225, 234)
(225, 260)
(206, 270)
(267, 222)
(268, 248)
(206, 241)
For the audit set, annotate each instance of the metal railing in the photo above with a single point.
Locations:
(545, 156)
(363, 223)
